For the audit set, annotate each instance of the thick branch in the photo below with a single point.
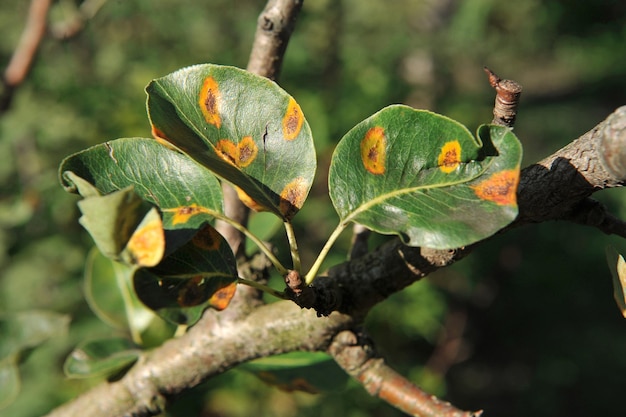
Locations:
(357, 357)
(208, 349)
(554, 188)
(274, 28)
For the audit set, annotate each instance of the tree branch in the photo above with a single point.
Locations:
(274, 27)
(356, 355)
(25, 52)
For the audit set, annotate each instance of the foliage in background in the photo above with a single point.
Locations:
(528, 319)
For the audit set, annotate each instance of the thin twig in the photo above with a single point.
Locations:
(357, 356)
(507, 98)
(25, 52)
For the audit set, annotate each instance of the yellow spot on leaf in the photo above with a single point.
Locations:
(207, 238)
(228, 151)
(247, 150)
(209, 102)
(292, 197)
(147, 244)
(500, 188)
(450, 156)
(292, 121)
(221, 298)
(240, 155)
(184, 213)
(374, 150)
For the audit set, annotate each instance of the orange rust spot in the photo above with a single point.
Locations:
(228, 151)
(248, 201)
(500, 188)
(184, 213)
(221, 298)
(374, 150)
(450, 156)
(209, 102)
(207, 238)
(292, 121)
(292, 197)
(247, 150)
(192, 292)
(147, 244)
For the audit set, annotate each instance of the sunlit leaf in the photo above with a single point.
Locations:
(617, 265)
(243, 127)
(426, 178)
(311, 372)
(180, 187)
(103, 357)
(198, 275)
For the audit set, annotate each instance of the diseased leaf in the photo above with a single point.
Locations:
(124, 227)
(425, 177)
(102, 357)
(181, 188)
(198, 275)
(243, 127)
(617, 265)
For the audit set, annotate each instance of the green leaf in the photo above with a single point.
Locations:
(312, 372)
(124, 227)
(200, 274)
(10, 383)
(21, 331)
(181, 188)
(110, 294)
(617, 265)
(243, 127)
(103, 357)
(425, 177)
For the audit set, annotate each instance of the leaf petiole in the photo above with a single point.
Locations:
(262, 287)
(310, 276)
(293, 246)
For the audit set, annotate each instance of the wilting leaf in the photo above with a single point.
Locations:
(124, 227)
(311, 372)
(198, 275)
(425, 177)
(103, 357)
(180, 187)
(243, 127)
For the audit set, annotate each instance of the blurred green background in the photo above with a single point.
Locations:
(525, 326)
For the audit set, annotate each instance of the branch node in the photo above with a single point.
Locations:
(508, 93)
